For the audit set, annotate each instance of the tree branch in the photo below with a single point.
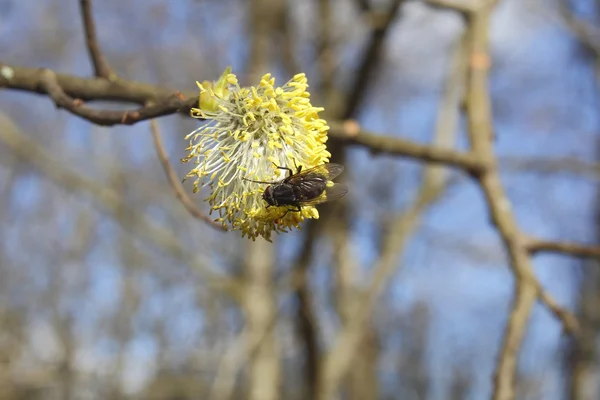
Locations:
(460, 6)
(87, 89)
(180, 193)
(166, 102)
(350, 133)
(481, 136)
(381, 25)
(109, 117)
(101, 67)
(535, 246)
(550, 165)
(480, 129)
(67, 91)
(585, 31)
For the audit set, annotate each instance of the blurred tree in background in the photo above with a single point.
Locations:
(461, 264)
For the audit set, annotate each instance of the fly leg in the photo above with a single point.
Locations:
(298, 168)
(299, 209)
(286, 168)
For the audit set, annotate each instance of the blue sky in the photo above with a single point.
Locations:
(545, 103)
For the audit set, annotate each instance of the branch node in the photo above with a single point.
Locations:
(179, 95)
(351, 128)
(480, 61)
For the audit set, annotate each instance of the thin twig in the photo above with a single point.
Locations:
(290, 56)
(363, 5)
(585, 31)
(574, 249)
(326, 51)
(370, 59)
(101, 67)
(460, 6)
(180, 193)
(551, 165)
(568, 320)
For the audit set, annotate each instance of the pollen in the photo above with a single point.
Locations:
(246, 133)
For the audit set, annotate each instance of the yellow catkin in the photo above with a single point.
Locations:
(248, 130)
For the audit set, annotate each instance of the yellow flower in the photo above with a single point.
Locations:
(249, 131)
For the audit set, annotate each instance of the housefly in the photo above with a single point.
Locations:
(304, 188)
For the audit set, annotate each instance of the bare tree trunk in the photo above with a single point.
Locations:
(66, 369)
(307, 323)
(260, 307)
(363, 381)
(582, 363)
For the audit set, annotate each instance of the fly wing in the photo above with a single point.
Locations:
(331, 193)
(329, 171)
(310, 183)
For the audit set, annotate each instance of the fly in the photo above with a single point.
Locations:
(304, 188)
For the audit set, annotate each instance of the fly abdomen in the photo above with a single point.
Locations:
(310, 189)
